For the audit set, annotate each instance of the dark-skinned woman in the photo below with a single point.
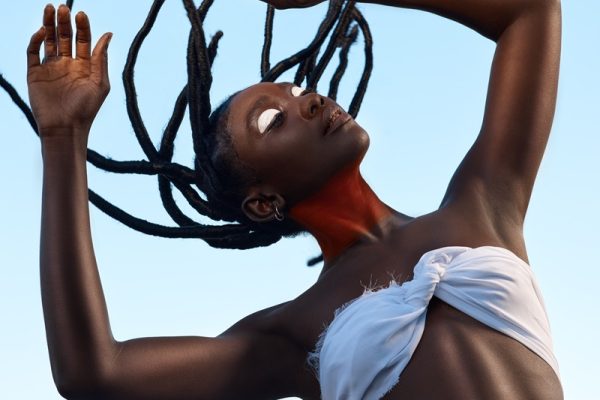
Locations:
(460, 315)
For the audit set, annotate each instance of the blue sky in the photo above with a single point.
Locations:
(423, 109)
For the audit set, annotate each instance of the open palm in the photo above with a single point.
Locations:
(66, 92)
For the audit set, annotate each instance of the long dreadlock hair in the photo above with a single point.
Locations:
(217, 173)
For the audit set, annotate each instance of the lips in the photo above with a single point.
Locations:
(337, 118)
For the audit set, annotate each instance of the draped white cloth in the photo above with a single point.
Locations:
(371, 339)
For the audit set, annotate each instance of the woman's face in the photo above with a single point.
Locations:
(294, 140)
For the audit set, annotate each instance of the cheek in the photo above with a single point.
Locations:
(293, 149)
(294, 168)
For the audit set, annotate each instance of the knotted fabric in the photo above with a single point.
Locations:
(371, 339)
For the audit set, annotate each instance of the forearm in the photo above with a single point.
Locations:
(488, 17)
(77, 327)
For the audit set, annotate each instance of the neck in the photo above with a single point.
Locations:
(341, 213)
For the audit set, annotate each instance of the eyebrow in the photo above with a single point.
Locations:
(260, 103)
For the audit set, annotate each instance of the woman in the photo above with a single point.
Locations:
(461, 317)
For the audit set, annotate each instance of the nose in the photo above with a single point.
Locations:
(313, 103)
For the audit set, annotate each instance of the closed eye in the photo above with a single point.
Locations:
(269, 119)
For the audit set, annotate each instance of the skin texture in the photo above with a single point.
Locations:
(263, 356)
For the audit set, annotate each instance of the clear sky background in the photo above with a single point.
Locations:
(423, 110)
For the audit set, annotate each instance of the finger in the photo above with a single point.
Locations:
(65, 31)
(50, 39)
(33, 50)
(99, 68)
(83, 40)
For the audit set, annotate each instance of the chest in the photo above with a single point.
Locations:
(385, 332)
(372, 267)
(473, 361)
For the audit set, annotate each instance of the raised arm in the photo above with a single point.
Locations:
(498, 173)
(65, 95)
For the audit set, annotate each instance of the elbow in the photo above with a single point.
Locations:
(516, 13)
(82, 389)
(545, 14)
(536, 4)
(81, 392)
(81, 374)
(72, 392)
(84, 383)
(538, 13)
(544, 6)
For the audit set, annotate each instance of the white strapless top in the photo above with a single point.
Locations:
(371, 339)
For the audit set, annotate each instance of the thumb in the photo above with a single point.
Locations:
(99, 61)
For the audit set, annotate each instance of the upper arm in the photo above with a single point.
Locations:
(500, 168)
(232, 366)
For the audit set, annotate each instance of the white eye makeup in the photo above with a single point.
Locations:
(297, 91)
(266, 118)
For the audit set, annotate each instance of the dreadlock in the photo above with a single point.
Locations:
(218, 173)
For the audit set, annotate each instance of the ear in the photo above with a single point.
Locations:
(260, 205)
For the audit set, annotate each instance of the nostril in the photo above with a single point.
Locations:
(313, 109)
(322, 100)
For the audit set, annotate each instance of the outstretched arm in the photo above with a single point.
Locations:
(248, 362)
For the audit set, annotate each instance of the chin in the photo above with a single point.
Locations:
(365, 140)
(353, 151)
(360, 140)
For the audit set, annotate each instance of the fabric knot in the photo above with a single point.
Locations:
(438, 263)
